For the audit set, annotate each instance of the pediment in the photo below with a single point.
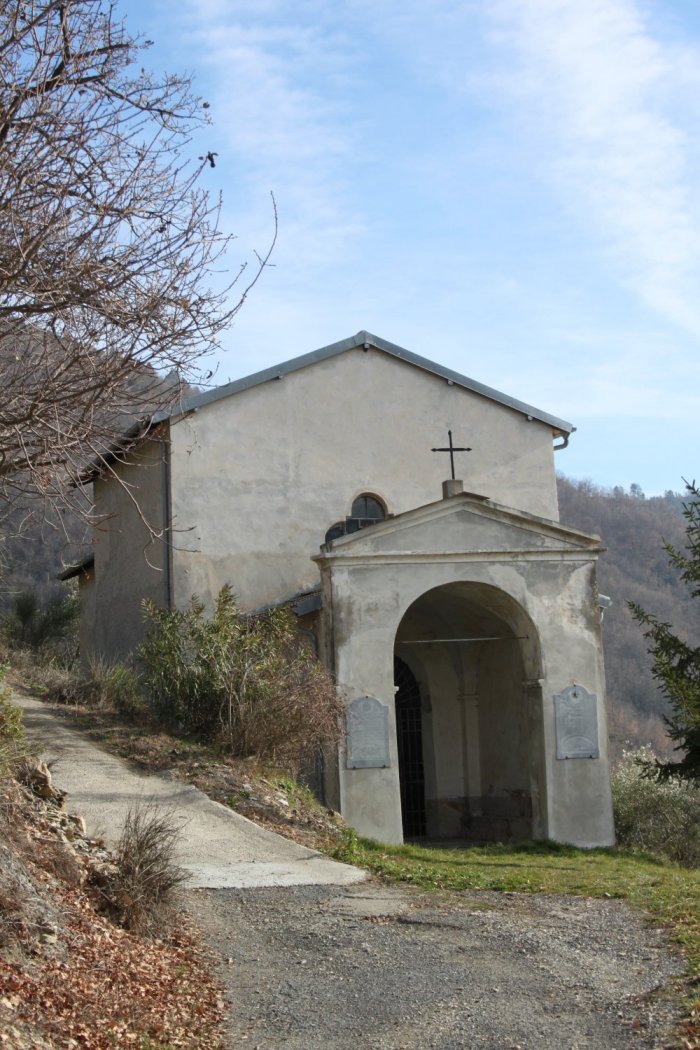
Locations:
(462, 525)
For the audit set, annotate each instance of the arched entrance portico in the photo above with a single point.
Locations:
(467, 668)
(494, 614)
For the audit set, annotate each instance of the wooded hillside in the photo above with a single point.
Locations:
(635, 568)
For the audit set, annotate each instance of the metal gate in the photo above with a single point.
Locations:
(409, 737)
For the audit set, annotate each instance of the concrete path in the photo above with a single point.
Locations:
(220, 848)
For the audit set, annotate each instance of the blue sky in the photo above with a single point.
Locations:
(508, 187)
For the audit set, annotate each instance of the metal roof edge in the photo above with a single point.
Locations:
(299, 597)
(362, 338)
(75, 570)
(470, 384)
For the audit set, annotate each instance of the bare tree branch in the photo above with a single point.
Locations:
(108, 246)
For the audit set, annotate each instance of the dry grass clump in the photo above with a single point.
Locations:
(143, 878)
(48, 679)
(112, 686)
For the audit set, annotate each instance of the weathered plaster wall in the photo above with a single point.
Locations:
(259, 477)
(557, 593)
(88, 613)
(129, 564)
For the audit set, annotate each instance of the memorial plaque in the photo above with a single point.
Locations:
(576, 719)
(368, 734)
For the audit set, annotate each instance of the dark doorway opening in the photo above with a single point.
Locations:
(409, 737)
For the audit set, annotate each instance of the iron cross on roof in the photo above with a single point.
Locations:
(451, 449)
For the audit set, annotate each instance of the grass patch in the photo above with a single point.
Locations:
(298, 795)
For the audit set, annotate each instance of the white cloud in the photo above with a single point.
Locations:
(278, 78)
(599, 91)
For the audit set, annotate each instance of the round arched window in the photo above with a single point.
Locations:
(335, 531)
(366, 510)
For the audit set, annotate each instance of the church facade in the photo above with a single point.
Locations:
(459, 619)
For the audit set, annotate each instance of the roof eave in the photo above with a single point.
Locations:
(78, 569)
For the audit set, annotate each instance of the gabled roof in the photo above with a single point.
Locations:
(366, 341)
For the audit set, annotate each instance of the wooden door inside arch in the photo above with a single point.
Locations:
(409, 738)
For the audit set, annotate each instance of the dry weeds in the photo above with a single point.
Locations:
(69, 975)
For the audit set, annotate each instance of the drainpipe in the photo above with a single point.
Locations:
(564, 442)
(167, 544)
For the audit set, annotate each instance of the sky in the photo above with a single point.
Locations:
(510, 188)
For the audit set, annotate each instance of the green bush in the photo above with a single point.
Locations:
(248, 681)
(659, 816)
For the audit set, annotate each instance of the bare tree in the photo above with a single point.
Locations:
(107, 243)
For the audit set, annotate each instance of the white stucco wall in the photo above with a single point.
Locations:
(375, 578)
(257, 478)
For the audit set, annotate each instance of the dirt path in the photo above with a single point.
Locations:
(216, 846)
(377, 968)
(326, 967)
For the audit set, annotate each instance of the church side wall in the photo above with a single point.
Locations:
(259, 477)
(129, 564)
(88, 612)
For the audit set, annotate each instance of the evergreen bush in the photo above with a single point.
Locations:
(33, 624)
(660, 816)
(249, 681)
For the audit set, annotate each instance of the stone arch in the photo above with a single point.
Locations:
(475, 653)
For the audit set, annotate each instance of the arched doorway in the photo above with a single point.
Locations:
(467, 679)
(409, 741)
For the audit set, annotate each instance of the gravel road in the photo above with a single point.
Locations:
(377, 968)
(325, 967)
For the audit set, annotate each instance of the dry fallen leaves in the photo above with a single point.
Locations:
(88, 984)
(111, 988)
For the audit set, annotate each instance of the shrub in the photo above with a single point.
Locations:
(660, 816)
(145, 876)
(249, 681)
(31, 625)
(115, 686)
(13, 745)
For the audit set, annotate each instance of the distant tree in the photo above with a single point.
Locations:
(31, 624)
(107, 243)
(676, 663)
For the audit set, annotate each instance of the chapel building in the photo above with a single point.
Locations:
(459, 619)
